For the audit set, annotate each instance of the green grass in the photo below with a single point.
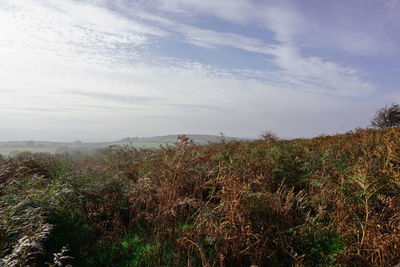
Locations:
(6, 150)
(51, 147)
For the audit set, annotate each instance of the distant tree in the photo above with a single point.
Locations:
(386, 117)
(2, 158)
(221, 138)
(268, 135)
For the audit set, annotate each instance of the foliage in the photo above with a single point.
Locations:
(268, 135)
(327, 201)
(387, 117)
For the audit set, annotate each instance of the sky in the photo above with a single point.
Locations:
(99, 70)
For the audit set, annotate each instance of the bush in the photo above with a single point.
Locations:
(268, 135)
(387, 117)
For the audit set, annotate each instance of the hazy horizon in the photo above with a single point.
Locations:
(88, 140)
(102, 70)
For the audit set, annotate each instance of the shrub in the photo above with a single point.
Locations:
(387, 117)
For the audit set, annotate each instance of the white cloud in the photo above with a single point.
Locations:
(211, 39)
(75, 98)
(236, 11)
(311, 73)
(77, 67)
(307, 73)
(316, 75)
(71, 30)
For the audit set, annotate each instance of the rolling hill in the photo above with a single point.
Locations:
(12, 148)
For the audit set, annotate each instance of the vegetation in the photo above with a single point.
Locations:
(268, 135)
(78, 147)
(307, 202)
(387, 117)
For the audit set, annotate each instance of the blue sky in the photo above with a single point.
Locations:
(102, 70)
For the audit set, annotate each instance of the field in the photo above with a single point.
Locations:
(77, 147)
(327, 201)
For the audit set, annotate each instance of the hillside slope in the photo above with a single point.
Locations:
(307, 202)
(12, 148)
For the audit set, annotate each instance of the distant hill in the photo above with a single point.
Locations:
(197, 138)
(12, 148)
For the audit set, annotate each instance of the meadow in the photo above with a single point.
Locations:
(12, 148)
(326, 201)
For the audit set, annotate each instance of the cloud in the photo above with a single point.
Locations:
(100, 36)
(308, 73)
(239, 11)
(131, 99)
(318, 76)
(311, 73)
(91, 68)
(72, 30)
(211, 39)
